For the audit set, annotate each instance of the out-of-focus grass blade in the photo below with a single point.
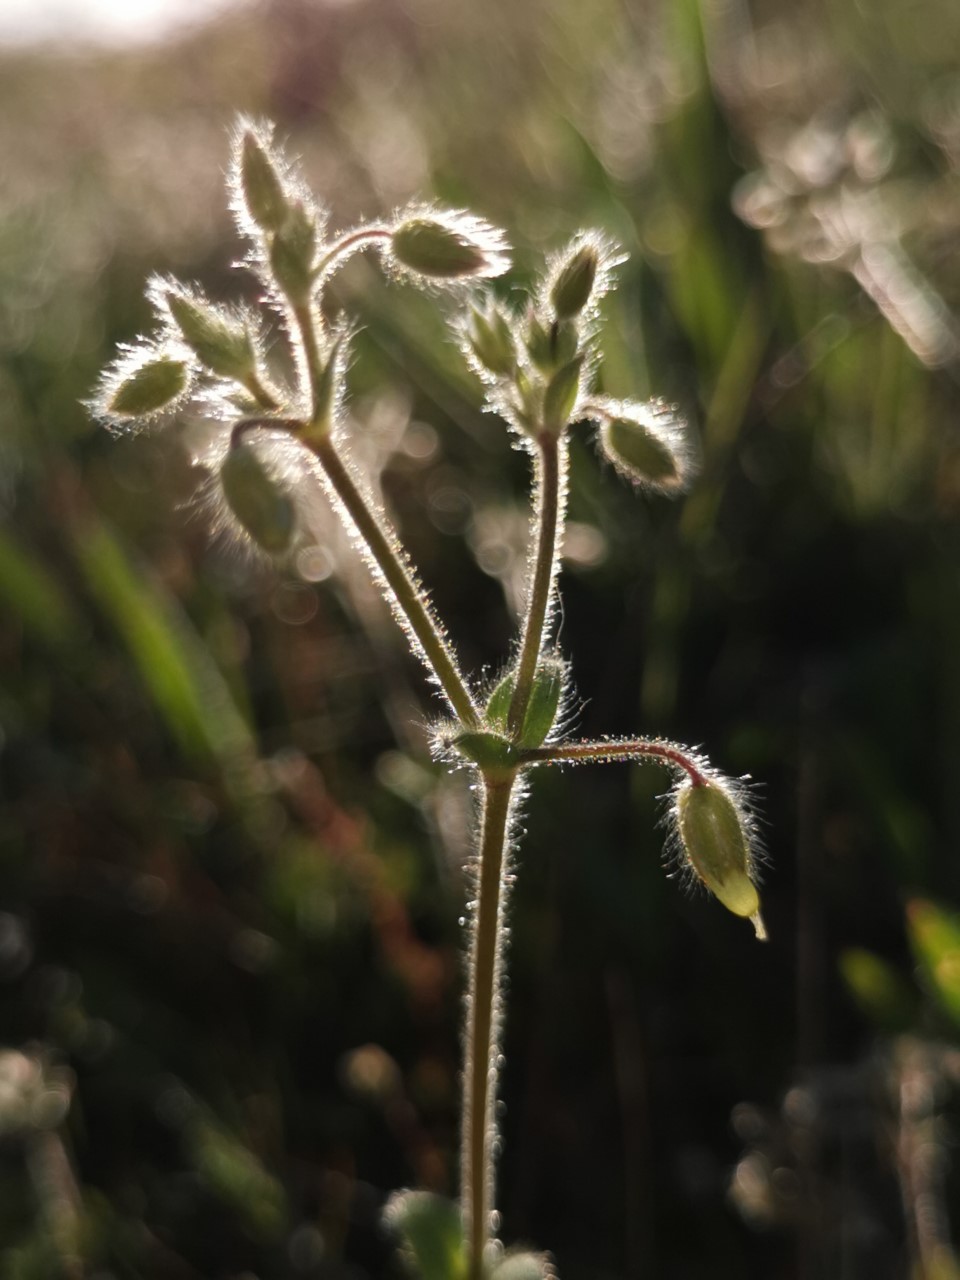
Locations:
(187, 688)
(935, 938)
(881, 993)
(32, 593)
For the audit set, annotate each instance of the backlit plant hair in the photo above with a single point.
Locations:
(281, 440)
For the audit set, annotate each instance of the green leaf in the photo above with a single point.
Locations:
(561, 394)
(431, 1234)
(187, 687)
(935, 937)
(31, 592)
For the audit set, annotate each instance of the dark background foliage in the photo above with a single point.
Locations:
(229, 940)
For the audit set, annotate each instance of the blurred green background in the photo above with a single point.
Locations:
(230, 880)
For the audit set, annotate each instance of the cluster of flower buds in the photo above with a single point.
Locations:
(538, 367)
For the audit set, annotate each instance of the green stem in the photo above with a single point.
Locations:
(260, 392)
(408, 595)
(353, 242)
(624, 750)
(307, 321)
(481, 1052)
(382, 544)
(550, 480)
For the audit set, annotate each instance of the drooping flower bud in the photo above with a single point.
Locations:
(573, 283)
(716, 842)
(257, 498)
(448, 245)
(261, 184)
(647, 443)
(220, 341)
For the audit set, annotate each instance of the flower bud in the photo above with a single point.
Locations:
(449, 245)
(261, 184)
(645, 442)
(574, 281)
(491, 341)
(553, 345)
(221, 343)
(716, 842)
(560, 397)
(154, 384)
(257, 499)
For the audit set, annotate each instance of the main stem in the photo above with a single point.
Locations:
(483, 1017)
(484, 964)
(550, 463)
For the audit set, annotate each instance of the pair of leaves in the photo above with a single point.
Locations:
(432, 1243)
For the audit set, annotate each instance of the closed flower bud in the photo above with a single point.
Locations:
(220, 342)
(449, 245)
(716, 842)
(645, 442)
(145, 383)
(261, 184)
(574, 282)
(561, 395)
(152, 387)
(490, 341)
(257, 499)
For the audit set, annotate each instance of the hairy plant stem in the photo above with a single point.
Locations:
(260, 392)
(484, 963)
(667, 753)
(383, 547)
(352, 242)
(548, 503)
(482, 1032)
(402, 582)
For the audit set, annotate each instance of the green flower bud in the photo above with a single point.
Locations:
(449, 245)
(561, 395)
(491, 340)
(574, 281)
(553, 345)
(716, 842)
(257, 500)
(645, 442)
(221, 343)
(261, 184)
(156, 384)
(293, 251)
